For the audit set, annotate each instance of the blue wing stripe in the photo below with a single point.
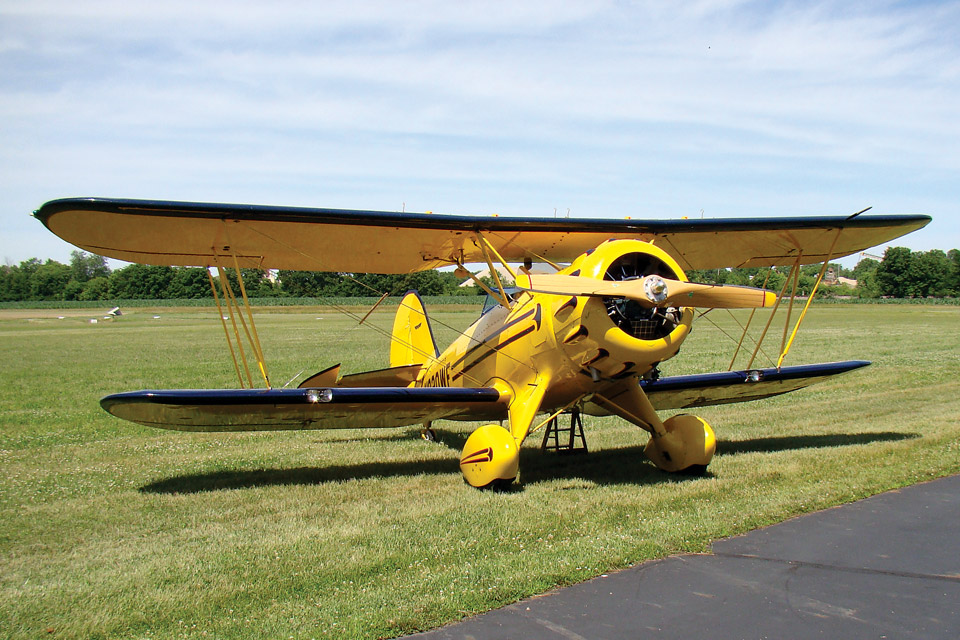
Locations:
(359, 395)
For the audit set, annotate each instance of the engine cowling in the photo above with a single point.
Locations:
(613, 337)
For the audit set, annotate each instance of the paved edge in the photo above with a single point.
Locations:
(884, 566)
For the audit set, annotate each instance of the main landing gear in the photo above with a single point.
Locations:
(687, 446)
(491, 457)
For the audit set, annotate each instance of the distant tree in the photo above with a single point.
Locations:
(896, 275)
(7, 274)
(87, 266)
(72, 290)
(865, 266)
(773, 277)
(16, 280)
(306, 284)
(741, 277)
(141, 281)
(267, 286)
(865, 273)
(95, 289)
(189, 283)
(256, 282)
(363, 284)
(904, 274)
(426, 283)
(29, 266)
(451, 283)
(901, 273)
(954, 256)
(321, 283)
(49, 280)
(934, 273)
(708, 276)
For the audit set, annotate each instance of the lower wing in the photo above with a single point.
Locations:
(379, 407)
(725, 387)
(277, 409)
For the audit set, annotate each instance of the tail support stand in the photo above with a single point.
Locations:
(552, 440)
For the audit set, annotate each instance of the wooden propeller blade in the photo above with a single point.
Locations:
(715, 296)
(653, 291)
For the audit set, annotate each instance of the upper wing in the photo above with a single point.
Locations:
(700, 390)
(276, 409)
(197, 234)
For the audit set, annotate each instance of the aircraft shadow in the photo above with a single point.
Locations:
(250, 478)
(625, 465)
(787, 443)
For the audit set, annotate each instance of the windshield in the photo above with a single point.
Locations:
(491, 302)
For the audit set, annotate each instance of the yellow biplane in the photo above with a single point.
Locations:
(587, 337)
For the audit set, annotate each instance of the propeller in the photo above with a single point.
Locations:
(652, 291)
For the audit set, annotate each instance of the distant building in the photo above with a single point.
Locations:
(505, 276)
(832, 279)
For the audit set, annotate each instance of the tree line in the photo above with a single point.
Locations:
(89, 277)
(901, 273)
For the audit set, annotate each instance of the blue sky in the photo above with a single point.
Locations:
(608, 109)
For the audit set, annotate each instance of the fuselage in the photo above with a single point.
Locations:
(576, 345)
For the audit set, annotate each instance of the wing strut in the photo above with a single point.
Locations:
(226, 332)
(234, 311)
(484, 246)
(794, 275)
(823, 271)
(749, 321)
(793, 299)
(255, 341)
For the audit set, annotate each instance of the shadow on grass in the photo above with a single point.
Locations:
(245, 479)
(628, 465)
(625, 465)
(787, 443)
(354, 435)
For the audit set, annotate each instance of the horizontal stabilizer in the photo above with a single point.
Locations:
(725, 387)
(278, 409)
(392, 377)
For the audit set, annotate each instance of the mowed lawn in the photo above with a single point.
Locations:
(112, 530)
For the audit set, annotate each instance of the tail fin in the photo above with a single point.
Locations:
(412, 341)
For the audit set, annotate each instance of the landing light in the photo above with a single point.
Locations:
(319, 395)
(754, 376)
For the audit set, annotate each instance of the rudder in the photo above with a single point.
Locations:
(412, 340)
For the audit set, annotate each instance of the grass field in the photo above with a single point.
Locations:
(111, 530)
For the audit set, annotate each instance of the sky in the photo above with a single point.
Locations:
(717, 108)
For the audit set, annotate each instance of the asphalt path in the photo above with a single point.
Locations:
(884, 567)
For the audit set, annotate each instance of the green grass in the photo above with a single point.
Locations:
(111, 530)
